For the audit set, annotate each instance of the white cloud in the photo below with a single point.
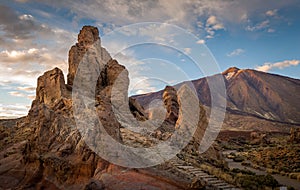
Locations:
(17, 94)
(26, 17)
(260, 26)
(212, 25)
(271, 30)
(187, 51)
(236, 52)
(187, 14)
(201, 41)
(144, 86)
(282, 64)
(13, 110)
(271, 13)
(27, 89)
(31, 97)
(23, 92)
(212, 20)
(19, 55)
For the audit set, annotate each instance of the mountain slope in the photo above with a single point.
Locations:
(253, 93)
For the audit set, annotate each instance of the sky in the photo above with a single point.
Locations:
(35, 36)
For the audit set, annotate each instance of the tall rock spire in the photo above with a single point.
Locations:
(88, 37)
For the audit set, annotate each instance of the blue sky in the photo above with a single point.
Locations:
(36, 35)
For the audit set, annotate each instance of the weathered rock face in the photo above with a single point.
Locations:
(88, 36)
(51, 87)
(137, 110)
(171, 104)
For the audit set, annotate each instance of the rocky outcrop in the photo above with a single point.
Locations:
(137, 110)
(57, 154)
(51, 87)
(88, 37)
(47, 151)
(257, 137)
(171, 104)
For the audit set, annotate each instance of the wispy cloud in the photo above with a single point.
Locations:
(272, 13)
(187, 51)
(271, 30)
(201, 41)
(259, 26)
(236, 52)
(23, 93)
(27, 88)
(282, 64)
(212, 25)
(13, 110)
(17, 94)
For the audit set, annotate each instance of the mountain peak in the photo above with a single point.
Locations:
(231, 72)
(231, 69)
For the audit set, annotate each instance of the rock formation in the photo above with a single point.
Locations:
(88, 36)
(257, 137)
(295, 135)
(51, 87)
(47, 151)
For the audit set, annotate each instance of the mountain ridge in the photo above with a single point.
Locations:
(267, 101)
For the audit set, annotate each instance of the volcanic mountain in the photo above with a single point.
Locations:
(253, 95)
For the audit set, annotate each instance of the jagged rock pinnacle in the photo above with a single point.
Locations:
(51, 87)
(88, 36)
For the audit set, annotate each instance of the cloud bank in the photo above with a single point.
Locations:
(282, 64)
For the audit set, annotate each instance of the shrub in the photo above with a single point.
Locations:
(238, 159)
(257, 181)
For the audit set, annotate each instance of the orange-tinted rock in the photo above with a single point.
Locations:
(51, 87)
